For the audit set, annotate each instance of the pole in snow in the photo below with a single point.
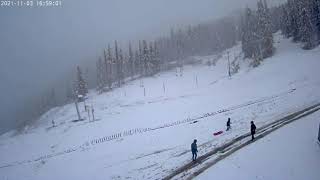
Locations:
(89, 115)
(144, 91)
(196, 80)
(260, 50)
(88, 111)
(164, 88)
(92, 111)
(229, 73)
(141, 83)
(84, 103)
(77, 107)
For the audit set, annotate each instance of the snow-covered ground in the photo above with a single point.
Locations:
(160, 120)
(291, 152)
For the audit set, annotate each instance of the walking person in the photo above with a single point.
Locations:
(194, 150)
(228, 124)
(253, 130)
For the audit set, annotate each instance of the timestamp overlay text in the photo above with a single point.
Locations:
(30, 3)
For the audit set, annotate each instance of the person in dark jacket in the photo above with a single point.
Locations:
(228, 124)
(319, 135)
(194, 150)
(253, 130)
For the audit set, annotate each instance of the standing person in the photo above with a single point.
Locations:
(228, 124)
(319, 135)
(194, 150)
(253, 130)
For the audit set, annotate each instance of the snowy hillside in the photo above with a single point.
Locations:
(144, 129)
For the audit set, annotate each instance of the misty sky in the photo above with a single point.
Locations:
(39, 45)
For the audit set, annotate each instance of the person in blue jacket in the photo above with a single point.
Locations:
(194, 150)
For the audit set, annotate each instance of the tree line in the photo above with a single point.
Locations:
(116, 65)
(253, 28)
(257, 33)
(301, 21)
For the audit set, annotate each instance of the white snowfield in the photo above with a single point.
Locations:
(163, 123)
(291, 152)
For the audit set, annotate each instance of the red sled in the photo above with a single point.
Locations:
(217, 133)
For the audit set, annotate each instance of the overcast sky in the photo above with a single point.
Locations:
(38, 45)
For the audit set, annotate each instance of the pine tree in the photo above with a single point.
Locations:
(69, 92)
(121, 67)
(105, 70)
(294, 17)
(306, 28)
(131, 61)
(151, 65)
(264, 30)
(45, 105)
(249, 38)
(301, 21)
(118, 63)
(110, 68)
(81, 83)
(137, 62)
(145, 58)
(156, 57)
(140, 60)
(285, 25)
(52, 98)
(316, 17)
(100, 74)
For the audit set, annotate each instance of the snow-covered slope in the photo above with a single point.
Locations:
(291, 153)
(147, 136)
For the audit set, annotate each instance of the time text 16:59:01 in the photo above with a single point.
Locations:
(30, 3)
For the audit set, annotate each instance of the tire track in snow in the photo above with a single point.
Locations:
(234, 145)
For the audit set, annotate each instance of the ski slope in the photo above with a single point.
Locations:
(139, 135)
(291, 152)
